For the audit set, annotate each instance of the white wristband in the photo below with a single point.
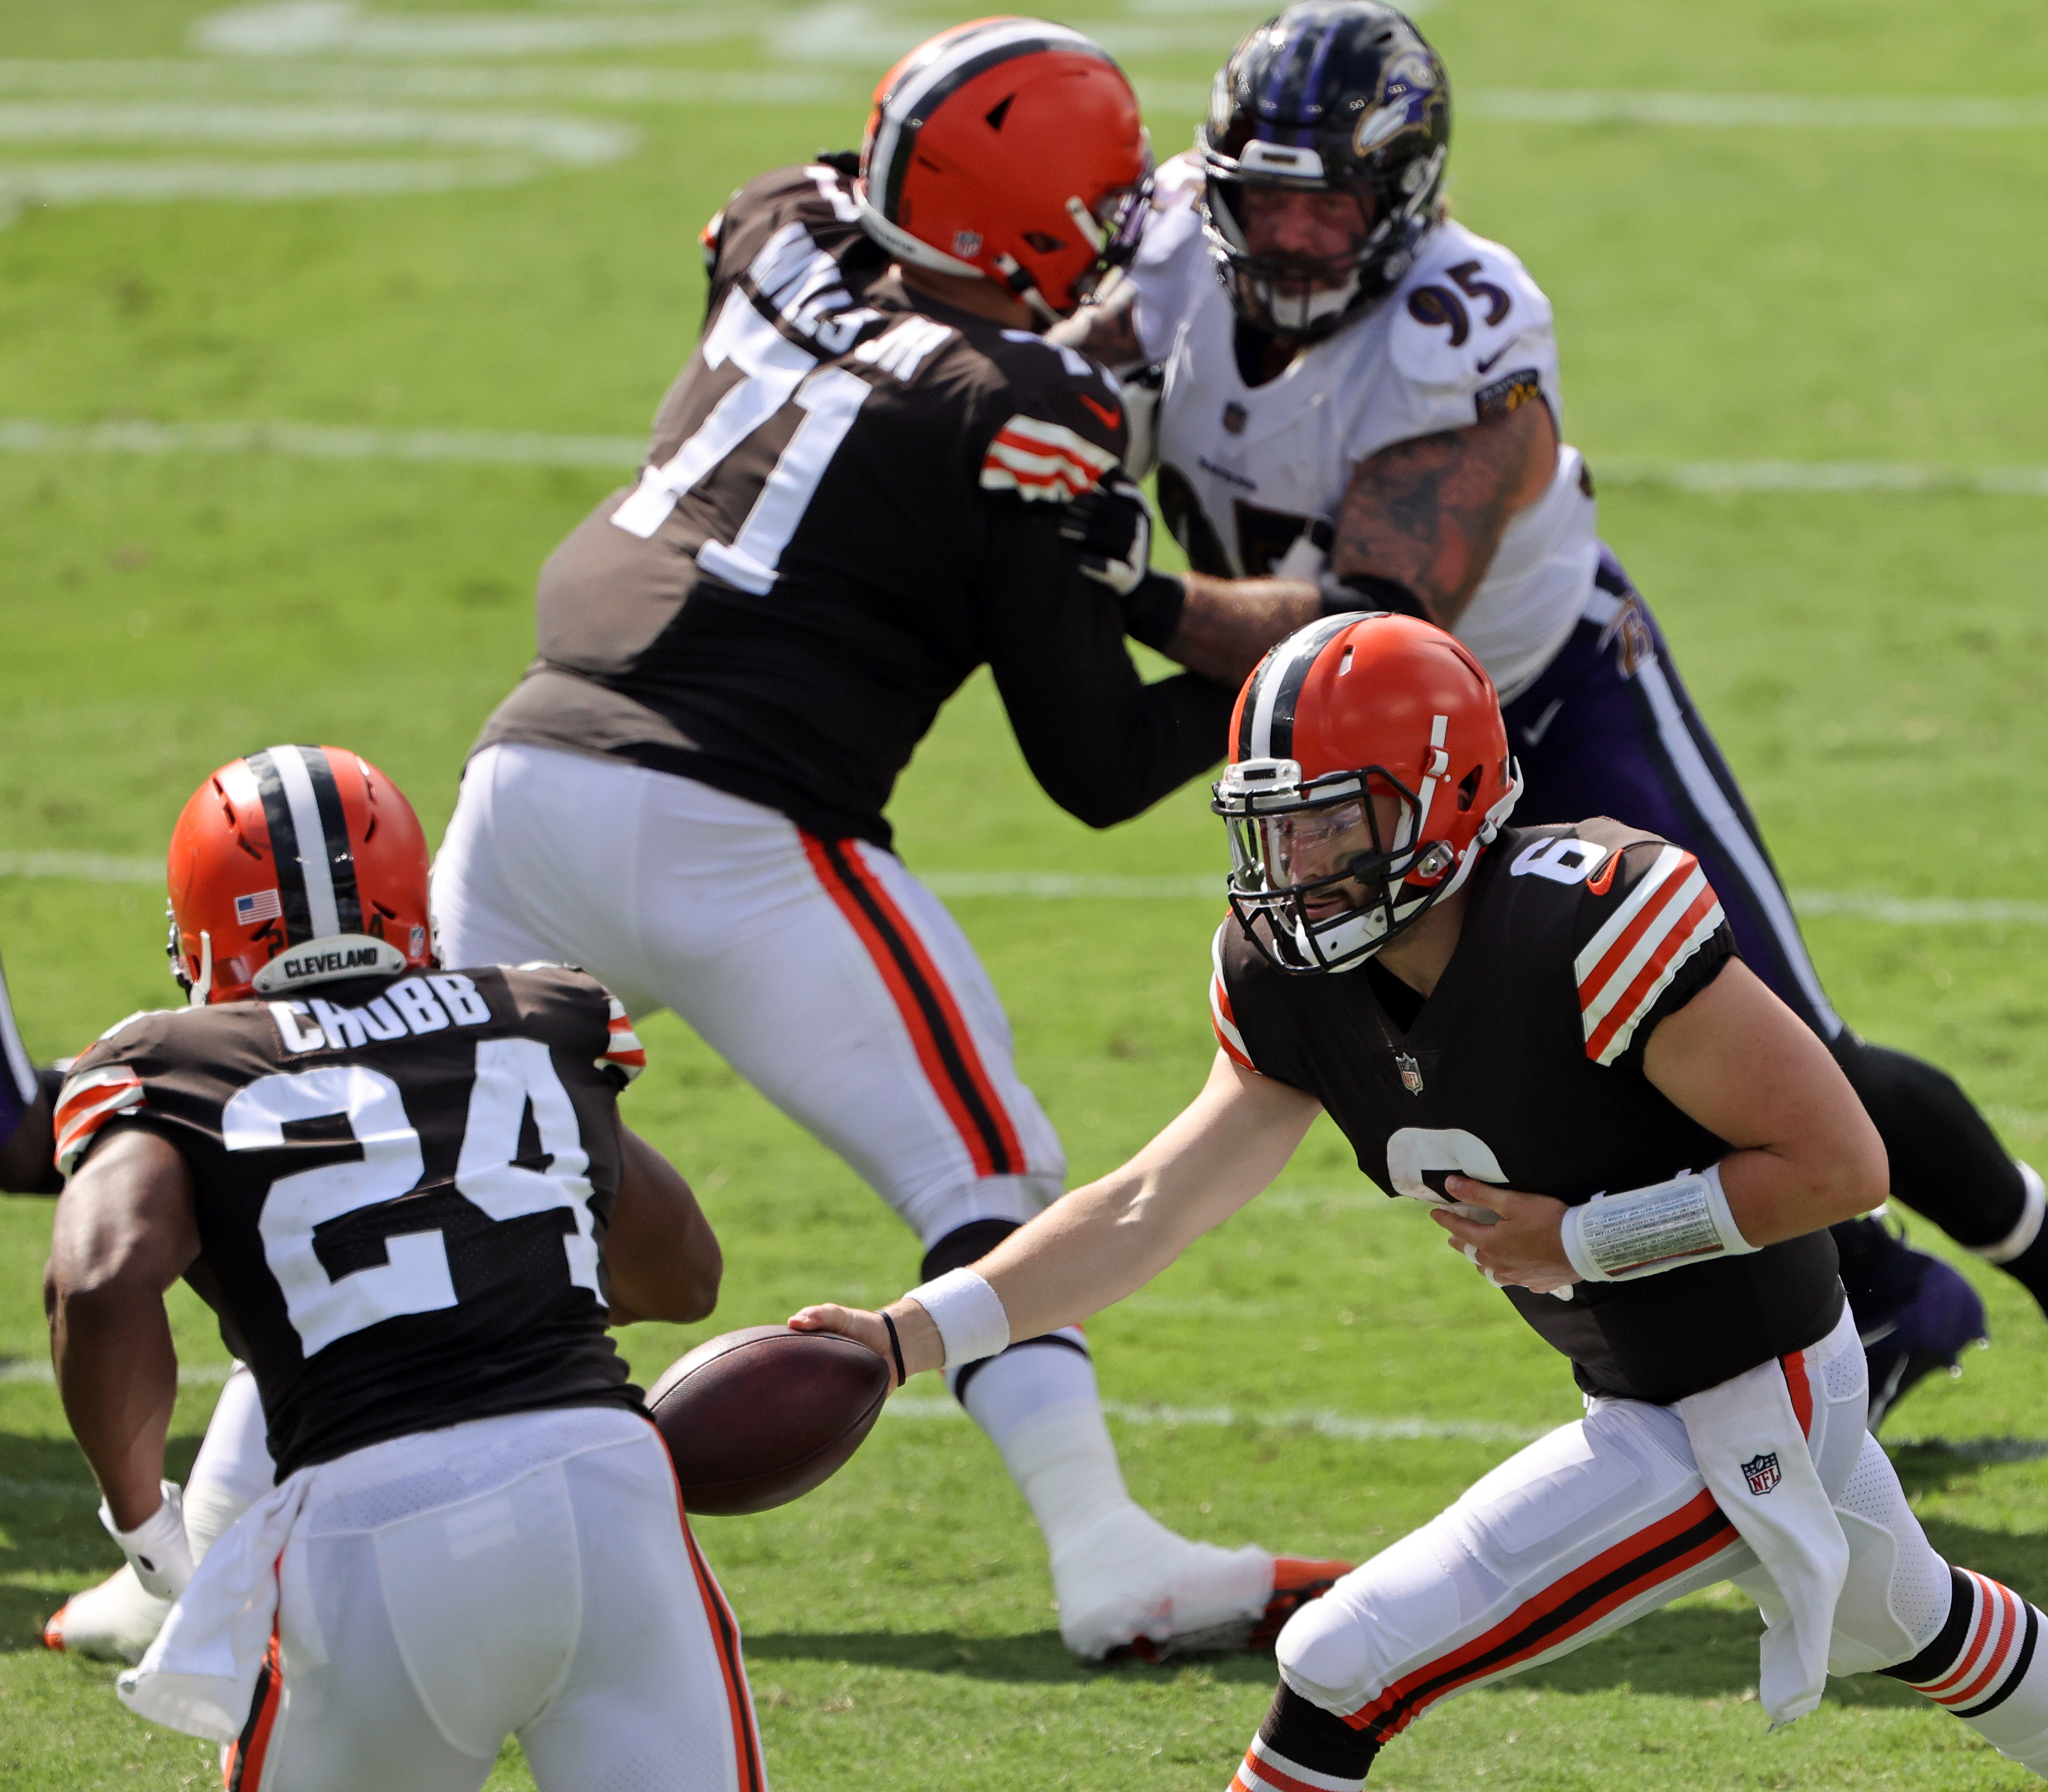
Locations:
(969, 1314)
(158, 1549)
(1645, 1231)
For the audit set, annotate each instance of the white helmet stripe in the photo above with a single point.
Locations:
(298, 787)
(1280, 677)
(902, 104)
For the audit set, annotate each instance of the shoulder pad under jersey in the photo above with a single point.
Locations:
(101, 1082)
(792, 241)
(1643, 909)
(1469, 317)
(1059, 427)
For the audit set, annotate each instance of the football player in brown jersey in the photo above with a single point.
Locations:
(1372, 392)
(1546, 1035)
(873, 476)
(408, 1195)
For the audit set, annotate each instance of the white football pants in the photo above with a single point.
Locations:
(1588, 1530)
(821, 971)
(530, 1575)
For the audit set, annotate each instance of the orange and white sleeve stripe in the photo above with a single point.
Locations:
(623, 1051)
(1221, 1016)
(86, 1102)
(1041, 460)
(1630, 962)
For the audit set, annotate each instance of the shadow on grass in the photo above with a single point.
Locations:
(1691, 1652)
(50, 1531)
(1037, 1657)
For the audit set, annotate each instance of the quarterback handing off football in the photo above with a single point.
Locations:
(759, 1417)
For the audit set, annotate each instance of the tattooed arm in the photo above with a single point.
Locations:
(1430, 513)
(1426, 513)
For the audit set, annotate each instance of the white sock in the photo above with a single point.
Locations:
(233, 1469)
(1118, 1573)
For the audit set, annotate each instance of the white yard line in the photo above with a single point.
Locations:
(1897, 911)
(86, 182)
(278, 123)
(1819, 476)
(1336, 1426)
(1795, 111)
(315, 441)
(427, 81)
(33, 1369)
(1342, 1428)
(504, 149)
(286, 62)
(536, 448)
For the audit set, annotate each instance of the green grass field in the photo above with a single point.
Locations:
(1873, 661)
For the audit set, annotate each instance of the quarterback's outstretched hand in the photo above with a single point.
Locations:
(922, 1347)
(1523, 1248)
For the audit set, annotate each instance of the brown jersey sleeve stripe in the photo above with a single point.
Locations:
(86, 1102)
(945, 1046)
(1568, 1607)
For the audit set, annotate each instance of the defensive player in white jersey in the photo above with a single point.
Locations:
(1357, 390)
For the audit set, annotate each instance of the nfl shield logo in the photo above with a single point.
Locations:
(1761, 1471)
(1411, 1073)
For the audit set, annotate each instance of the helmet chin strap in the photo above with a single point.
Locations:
(203, 985)
(1021, 286)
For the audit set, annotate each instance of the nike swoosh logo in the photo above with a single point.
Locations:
(1485, 367)
(1109, 414)
(1542, 725)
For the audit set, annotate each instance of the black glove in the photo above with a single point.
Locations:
(1111, 526)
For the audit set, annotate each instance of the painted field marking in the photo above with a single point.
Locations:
(1337, 1425)
(293, 28)
(1714, 476)
(1342, 1428)
(1896, 911)
(536, 449)
(170, 79)
(1796, 111)
(33, 1369)
(289, 63)
(504, 149)
(315, 441)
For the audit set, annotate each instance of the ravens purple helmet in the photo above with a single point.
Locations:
(1333, 96)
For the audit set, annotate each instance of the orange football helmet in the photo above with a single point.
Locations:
(296, 865)
(1369, 770)
(1010, 149)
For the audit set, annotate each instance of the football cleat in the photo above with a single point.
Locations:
(1914, 1313)
(115, 1621)
(1295, 1581)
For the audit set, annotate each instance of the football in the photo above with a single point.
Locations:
(758, 1418)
